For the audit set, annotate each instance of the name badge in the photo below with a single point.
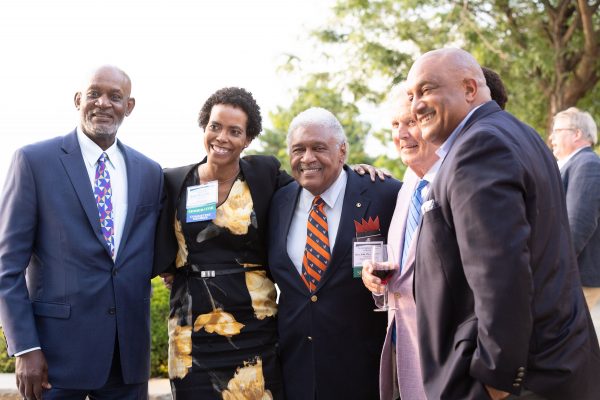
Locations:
(201, 204)
(364, 251)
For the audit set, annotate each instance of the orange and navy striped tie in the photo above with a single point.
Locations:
(317, 252)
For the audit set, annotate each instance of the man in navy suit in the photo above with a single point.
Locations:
(77, 229)
(574, 133)
(500, 310)
(330, 337)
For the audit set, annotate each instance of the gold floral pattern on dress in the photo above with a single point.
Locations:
(219, 322)
(236, 212)
(180, 349)
(263, 294)
(182, 251)
(248, 383)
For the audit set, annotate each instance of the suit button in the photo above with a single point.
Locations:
(313, 298)
(112, 311)
(516, 385)
(521, 369)
(520, 374)
(309, 338)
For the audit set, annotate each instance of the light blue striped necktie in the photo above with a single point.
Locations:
(413, 219)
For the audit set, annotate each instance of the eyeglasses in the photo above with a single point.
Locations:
(557, 130)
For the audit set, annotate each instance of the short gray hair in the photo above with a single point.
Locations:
(317, 116)
(581, 120)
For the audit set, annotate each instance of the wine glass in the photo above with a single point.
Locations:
(384, 263)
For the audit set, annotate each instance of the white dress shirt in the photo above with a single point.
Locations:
(334, 201)
(117, 169)
(561, 163)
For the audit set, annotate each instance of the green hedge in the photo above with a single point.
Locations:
(159, 311)
(159, 314)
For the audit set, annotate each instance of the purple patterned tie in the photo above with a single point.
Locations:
(103, 195)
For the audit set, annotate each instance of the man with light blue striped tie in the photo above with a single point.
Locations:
(400, 372)
(413, 218)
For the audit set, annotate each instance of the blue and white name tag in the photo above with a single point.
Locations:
(201, 202)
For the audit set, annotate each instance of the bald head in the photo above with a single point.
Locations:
(103, 70)
(444, 86)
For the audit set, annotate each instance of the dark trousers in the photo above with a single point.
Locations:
(113, 389)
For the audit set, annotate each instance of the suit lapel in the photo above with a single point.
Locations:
(398, 224)
(76, 171)
(133, 191)
(286, 213)
(354, 208)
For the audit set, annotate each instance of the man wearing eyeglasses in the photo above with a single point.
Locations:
(573, 136)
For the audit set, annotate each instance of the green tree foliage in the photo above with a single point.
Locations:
(547, 52)
(7, 364)
(159, 314)
(316, 92)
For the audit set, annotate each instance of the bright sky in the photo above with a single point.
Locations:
(177, 53)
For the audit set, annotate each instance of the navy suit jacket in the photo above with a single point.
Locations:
(581, 178)
(330, 340)
(76, 300)
(499, 300)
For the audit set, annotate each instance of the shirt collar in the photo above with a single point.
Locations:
(432, 172)
(330, 196)
(445, 147)
(561, 163)
(91, 152)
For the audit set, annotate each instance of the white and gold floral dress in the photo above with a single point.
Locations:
(222, 327)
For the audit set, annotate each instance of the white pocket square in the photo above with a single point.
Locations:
(428, 206)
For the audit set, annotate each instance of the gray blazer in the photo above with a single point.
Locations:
(581, 178)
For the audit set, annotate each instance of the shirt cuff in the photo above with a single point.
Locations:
(27, 351)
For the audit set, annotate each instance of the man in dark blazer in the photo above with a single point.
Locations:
(330, 337)
(573, 135)
(78, 220)
(500, 309)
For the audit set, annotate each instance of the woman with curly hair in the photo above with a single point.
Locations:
(211, 242)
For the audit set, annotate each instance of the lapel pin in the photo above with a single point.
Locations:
(358, 205)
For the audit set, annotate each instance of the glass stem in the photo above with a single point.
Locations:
(385, 298)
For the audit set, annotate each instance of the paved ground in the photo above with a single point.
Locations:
(159, 389)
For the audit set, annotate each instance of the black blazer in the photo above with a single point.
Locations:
(264, 177)
(330, 340)
(499, 301)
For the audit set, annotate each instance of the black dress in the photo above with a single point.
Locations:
(222, 326)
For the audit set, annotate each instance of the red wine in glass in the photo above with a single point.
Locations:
(383, 274)
(384, 264)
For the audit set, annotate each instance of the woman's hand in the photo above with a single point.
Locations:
(168, 280)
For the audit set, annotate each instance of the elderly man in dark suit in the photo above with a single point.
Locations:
(500, 310)
(574, 133)
(78, 218)
(330, 337)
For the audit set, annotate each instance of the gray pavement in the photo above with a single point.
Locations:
(158, 389)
